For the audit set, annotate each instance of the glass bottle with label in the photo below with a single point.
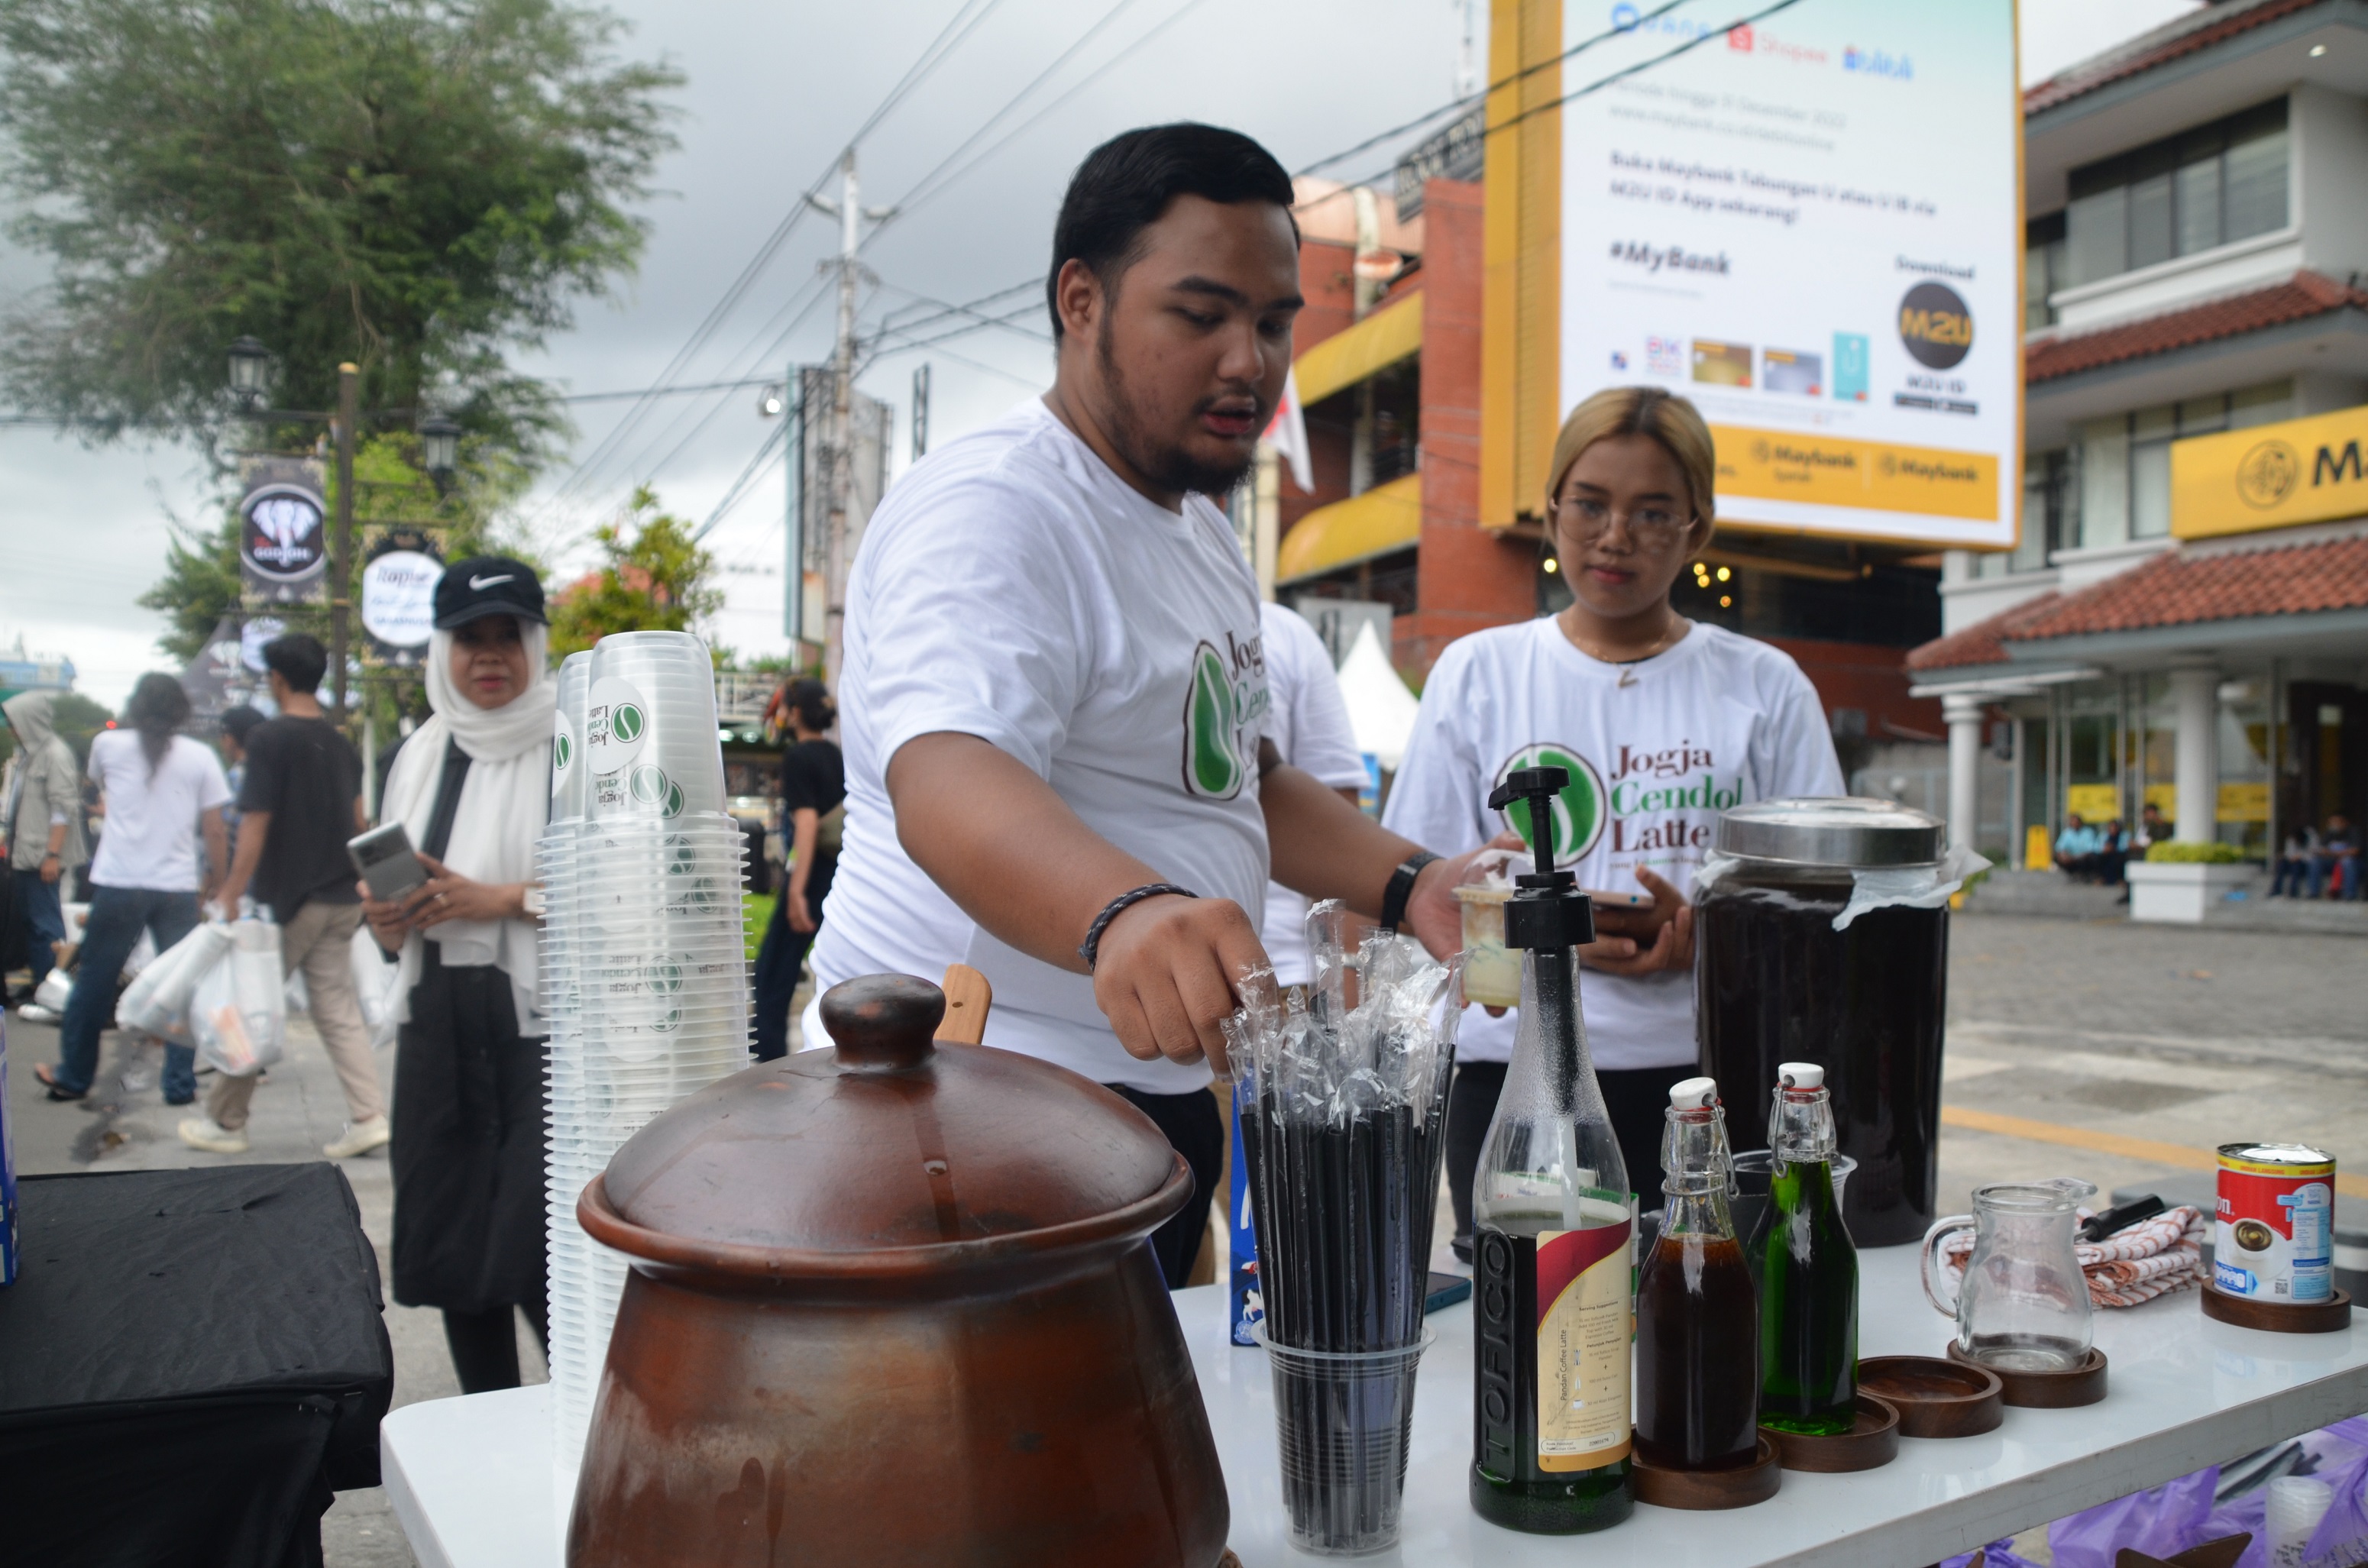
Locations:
(1554, 1235)
(1697, 1313)
(1808, 1274)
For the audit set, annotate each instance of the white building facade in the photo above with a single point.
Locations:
(2185, 621)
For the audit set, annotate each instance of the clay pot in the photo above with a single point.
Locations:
(895, 1303)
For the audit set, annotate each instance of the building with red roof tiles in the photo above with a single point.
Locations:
(2184, 623)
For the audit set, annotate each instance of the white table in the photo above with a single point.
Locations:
(468, 1477)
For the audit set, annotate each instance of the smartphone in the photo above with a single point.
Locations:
(388, 867)
(1446, 1289)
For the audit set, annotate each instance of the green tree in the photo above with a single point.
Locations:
(419, 187)
(654, 580)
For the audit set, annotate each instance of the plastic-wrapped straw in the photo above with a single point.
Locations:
(1343, 1102)
(643, 969)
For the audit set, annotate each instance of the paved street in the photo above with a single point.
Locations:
(2086, 1037)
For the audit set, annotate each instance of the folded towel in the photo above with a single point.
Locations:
(2137, 1263)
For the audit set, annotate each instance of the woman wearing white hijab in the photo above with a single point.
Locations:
(473, 789)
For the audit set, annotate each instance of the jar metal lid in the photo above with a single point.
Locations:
(1840, 830)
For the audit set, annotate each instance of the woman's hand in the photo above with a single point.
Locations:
(794, 911)
(452, 896)
(388, 919)
(1670, 919)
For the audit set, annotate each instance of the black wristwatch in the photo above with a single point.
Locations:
(1401, 888)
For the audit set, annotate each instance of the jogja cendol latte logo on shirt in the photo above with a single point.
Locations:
(1223, 710)
(1644, 806)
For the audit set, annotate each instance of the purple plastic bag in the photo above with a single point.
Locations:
(2167, 1519)
(2001, 1555)
(2338, 1456)
(2341, 1538)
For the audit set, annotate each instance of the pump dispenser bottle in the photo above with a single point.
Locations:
(1554, 1234)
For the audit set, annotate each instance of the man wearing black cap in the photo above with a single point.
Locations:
(299, 802)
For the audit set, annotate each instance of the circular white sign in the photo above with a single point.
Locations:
(399, 598)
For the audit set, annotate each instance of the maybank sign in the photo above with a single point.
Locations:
(2272, 476)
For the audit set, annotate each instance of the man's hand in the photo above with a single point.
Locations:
(51, 869)
(1669, 920)
(1164, 976)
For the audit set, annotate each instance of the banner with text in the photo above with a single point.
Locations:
(1812, 227)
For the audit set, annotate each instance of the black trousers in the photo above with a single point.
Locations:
(1637, 1098)
(782, 963)
(1196, 1131)
(485, 1344)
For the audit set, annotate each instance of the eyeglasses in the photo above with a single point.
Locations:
(1655, 524)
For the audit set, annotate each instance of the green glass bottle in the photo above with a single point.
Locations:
(1808, 1269)
(1554, 1234)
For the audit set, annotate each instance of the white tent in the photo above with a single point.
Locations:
(1381, 708)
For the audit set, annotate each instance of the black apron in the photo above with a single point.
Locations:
(470, 1110)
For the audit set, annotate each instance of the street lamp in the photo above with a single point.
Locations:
(248, 361)
(440, 449)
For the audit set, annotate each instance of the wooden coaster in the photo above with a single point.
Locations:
(2278, 1317)
(1936, 1398)
(1871, 1443)
(2083, 1384)
(1707, 1489)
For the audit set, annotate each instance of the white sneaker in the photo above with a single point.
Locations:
(34, 1013)
(203, 1133)
(360, 1138)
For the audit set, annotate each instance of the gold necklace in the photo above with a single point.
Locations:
(1628, 665)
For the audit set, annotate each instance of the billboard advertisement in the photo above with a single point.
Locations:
(1810, 225)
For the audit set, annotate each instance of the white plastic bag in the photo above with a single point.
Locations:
(157, 1000)
(374, 983)
(53, 990)
(240, 1011)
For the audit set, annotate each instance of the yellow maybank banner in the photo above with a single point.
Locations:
(1826, 470)
(2272, 476)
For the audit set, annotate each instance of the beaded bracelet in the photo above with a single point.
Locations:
(1090, 948)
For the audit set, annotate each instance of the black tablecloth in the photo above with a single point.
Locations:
(191, 1363)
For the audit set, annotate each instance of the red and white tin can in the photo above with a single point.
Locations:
(2276, 1238)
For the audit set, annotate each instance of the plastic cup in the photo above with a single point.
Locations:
(1492, 972)
(1341, 1425)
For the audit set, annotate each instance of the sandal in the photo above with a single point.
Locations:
(48, 1074)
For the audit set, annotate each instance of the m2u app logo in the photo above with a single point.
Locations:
(1935, 325)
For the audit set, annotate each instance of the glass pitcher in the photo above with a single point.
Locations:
(2024, 1306)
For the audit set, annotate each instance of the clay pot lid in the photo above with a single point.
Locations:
(892, 1141)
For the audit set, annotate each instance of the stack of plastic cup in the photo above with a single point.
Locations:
(645, 963)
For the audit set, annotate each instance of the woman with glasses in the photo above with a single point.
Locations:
(1661, 722)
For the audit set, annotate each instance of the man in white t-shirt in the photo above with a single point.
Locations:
(1055, 694)
(164, 795)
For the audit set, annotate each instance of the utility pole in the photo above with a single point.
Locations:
(839, 439)
(341, 560)
(921, 411)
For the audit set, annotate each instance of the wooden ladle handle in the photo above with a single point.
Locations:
(968, 996)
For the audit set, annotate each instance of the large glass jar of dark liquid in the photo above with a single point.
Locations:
(1776, 981)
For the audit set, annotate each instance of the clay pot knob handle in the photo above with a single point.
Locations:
(882, 1023)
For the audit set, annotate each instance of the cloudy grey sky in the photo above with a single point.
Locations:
(773, 92)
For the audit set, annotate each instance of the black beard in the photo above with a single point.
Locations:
(1164, 468)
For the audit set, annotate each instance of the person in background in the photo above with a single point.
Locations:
(2152, 829)
(2298, 863)
(237, 723)
(2077, 848)
(2337, 865)
(1660, 721)
(300, 801)
(1309, 725)
(813, 796)
(164, 794)
(2112, 852)
(472, 788)
(41, 828)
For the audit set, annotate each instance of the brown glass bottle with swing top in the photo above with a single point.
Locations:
(1697, 1313)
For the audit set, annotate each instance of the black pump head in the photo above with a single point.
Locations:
(1549, 912)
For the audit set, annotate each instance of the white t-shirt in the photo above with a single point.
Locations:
(1309, 725)
(151, 837)
(1655, 751)
(1012, 587)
